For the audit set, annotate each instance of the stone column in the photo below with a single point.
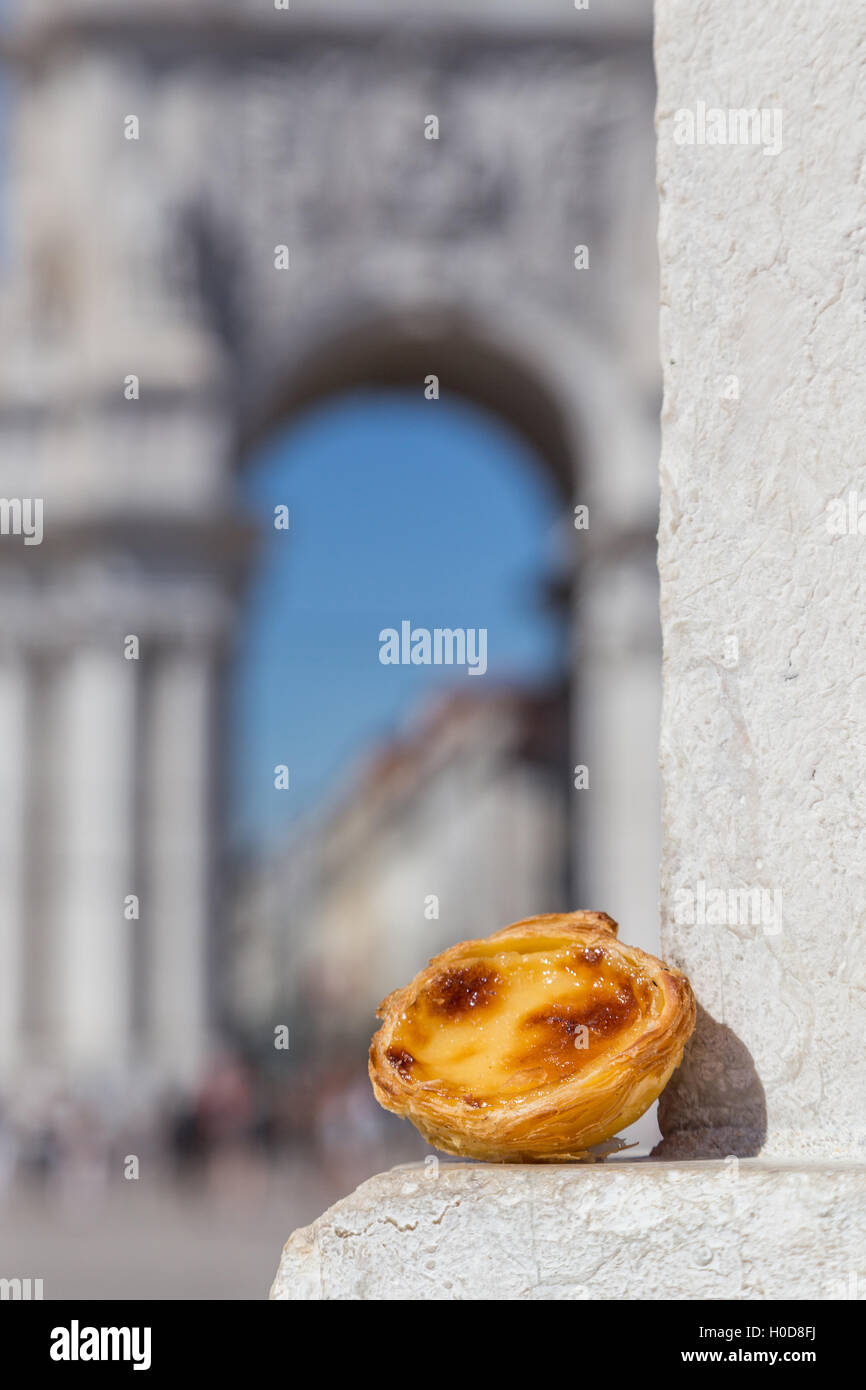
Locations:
(13, 794)
(761, 147)
(95, 801)
(177, 886)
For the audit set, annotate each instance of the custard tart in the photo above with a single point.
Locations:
(536, 1044)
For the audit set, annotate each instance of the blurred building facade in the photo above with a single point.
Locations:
(450, 830)
(216, 214)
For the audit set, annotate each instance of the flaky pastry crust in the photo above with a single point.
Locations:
(536, 1044)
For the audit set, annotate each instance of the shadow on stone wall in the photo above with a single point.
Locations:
(714, 1104)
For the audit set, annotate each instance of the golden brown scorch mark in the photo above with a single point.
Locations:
(557, 1029)
(401, 1060)
(463, 988)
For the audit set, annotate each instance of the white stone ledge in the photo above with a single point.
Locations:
(733, 1229)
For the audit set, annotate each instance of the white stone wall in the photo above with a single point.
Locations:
(764, 737)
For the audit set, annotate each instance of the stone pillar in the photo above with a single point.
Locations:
(13, 794)
(763, 733)
(177, 886)
(95, 803)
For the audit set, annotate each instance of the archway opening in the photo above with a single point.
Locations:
(391, 795)
(375, 510)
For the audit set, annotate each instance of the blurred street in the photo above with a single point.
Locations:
(161, 1238)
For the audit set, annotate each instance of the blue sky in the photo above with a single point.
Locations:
(401, 508)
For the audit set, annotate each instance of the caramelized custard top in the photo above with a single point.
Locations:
(494, 1026)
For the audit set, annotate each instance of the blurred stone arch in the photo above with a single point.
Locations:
(401, 348)
(261, 128)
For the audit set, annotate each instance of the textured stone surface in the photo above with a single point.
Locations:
(764, 736)
(737, 1229)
